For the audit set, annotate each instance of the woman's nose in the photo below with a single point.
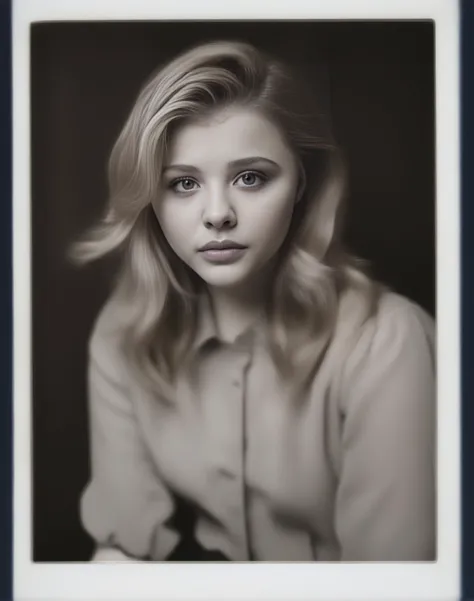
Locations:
(219, 213)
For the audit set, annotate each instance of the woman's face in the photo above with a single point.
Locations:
(228, 192)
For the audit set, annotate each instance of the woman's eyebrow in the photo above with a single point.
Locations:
(186, 168)
(244, 162)
(248, 161)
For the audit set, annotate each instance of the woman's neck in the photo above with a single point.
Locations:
(235, 311)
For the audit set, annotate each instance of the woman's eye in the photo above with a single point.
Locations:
(251, 179)
(184, 184)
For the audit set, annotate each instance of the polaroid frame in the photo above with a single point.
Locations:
(439, 579)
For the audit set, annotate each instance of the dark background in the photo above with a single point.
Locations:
(85, 77)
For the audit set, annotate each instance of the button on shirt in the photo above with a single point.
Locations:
(345, 474)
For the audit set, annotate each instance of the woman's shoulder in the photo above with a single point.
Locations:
(398, 317)
(383, 315)
(394, 311)
(396, 330)
(107, 328)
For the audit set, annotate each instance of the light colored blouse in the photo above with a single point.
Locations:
(347, 474)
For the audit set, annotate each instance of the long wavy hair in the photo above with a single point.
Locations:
(159, 294)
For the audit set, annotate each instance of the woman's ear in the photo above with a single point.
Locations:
(301, 183)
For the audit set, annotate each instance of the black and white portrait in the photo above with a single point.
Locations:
(234, 292)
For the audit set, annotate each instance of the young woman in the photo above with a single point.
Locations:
(244, 367)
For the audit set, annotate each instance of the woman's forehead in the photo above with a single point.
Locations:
(227, 136)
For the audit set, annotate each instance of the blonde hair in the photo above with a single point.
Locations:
(158, 291)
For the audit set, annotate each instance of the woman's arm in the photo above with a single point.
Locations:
(125, 505)
(386, 509)
(111, 554)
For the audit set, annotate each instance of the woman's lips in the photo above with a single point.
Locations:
(223, 255)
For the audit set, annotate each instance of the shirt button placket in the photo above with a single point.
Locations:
(239, 362)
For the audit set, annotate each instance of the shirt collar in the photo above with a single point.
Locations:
(207, 327)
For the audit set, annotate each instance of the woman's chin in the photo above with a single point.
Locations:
(224, 276)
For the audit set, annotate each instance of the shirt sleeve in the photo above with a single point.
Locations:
(124, 504)
(385, 505)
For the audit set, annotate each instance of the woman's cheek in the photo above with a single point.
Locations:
(180, 231)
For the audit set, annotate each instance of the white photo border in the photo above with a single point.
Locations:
(413, 581)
